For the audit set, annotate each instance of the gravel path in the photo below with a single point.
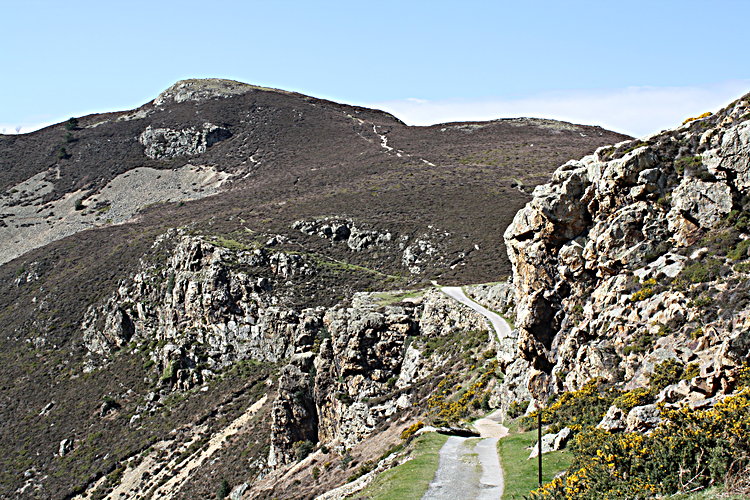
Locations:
(469, 468)
(502, 329)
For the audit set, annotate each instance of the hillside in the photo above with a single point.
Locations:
(178, 284)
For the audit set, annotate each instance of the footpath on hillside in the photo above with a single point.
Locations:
(469, 468)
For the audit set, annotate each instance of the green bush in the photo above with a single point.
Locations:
(688, 163)
(224, 490)
(640, 342)
(517, 408)
(302, 449)
(62, 154)
(668, 372)
(700, 272)
(740, 251)
(71, 124)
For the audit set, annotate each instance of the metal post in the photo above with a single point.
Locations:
(539, 443)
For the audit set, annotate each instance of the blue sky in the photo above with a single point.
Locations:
(632, 66)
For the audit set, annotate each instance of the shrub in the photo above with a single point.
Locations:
(740, 251)
(345, 398)
(302, 449)
(409, 432)
(630, 399)
(449, 406)
(689, 450)
(71, 124)
(743, 376)
(79, 204)
(691, 371)
(574, 409)
(699, 117)
(668, 372)
(517, 408)
(688, 163)
(224, 490)
(169, 372)
(701, 302)
(641, 342)
(361, 471)
(645, 292)
(699, 272)
(62, 154)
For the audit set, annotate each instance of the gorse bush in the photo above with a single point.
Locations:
(699, 117)
(517, 408)
(576, 409)
(689, 450)
(666, 373)
(409, 432)
(630, 399)
(450, 404)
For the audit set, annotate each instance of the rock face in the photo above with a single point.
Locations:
(199, 314)
(416, 252)
(361, 370)
(633, 256)
(161, 143)
(342, 371)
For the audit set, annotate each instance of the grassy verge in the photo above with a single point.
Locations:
(389, 298)
(520, 472)
(411, 479)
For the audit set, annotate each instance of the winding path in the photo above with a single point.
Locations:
(469, 468)
(502, 329)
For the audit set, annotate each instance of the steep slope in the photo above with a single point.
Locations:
(630, 270)
(178, 282)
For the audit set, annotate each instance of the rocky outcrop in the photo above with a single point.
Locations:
(343, 371)
(417, 253)
(343, 230)
(628, 258)
(161, 143)
(362, 369)
(203, 89)
(200, 313)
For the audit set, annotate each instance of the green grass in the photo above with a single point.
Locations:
(411, 479)
(230, 243)
(520, 472)
(388, 298)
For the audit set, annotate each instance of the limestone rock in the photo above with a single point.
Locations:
(642, 418)
(66, 446)
(599, 269)
(613, 421)
(552, 442)
(168, 143)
